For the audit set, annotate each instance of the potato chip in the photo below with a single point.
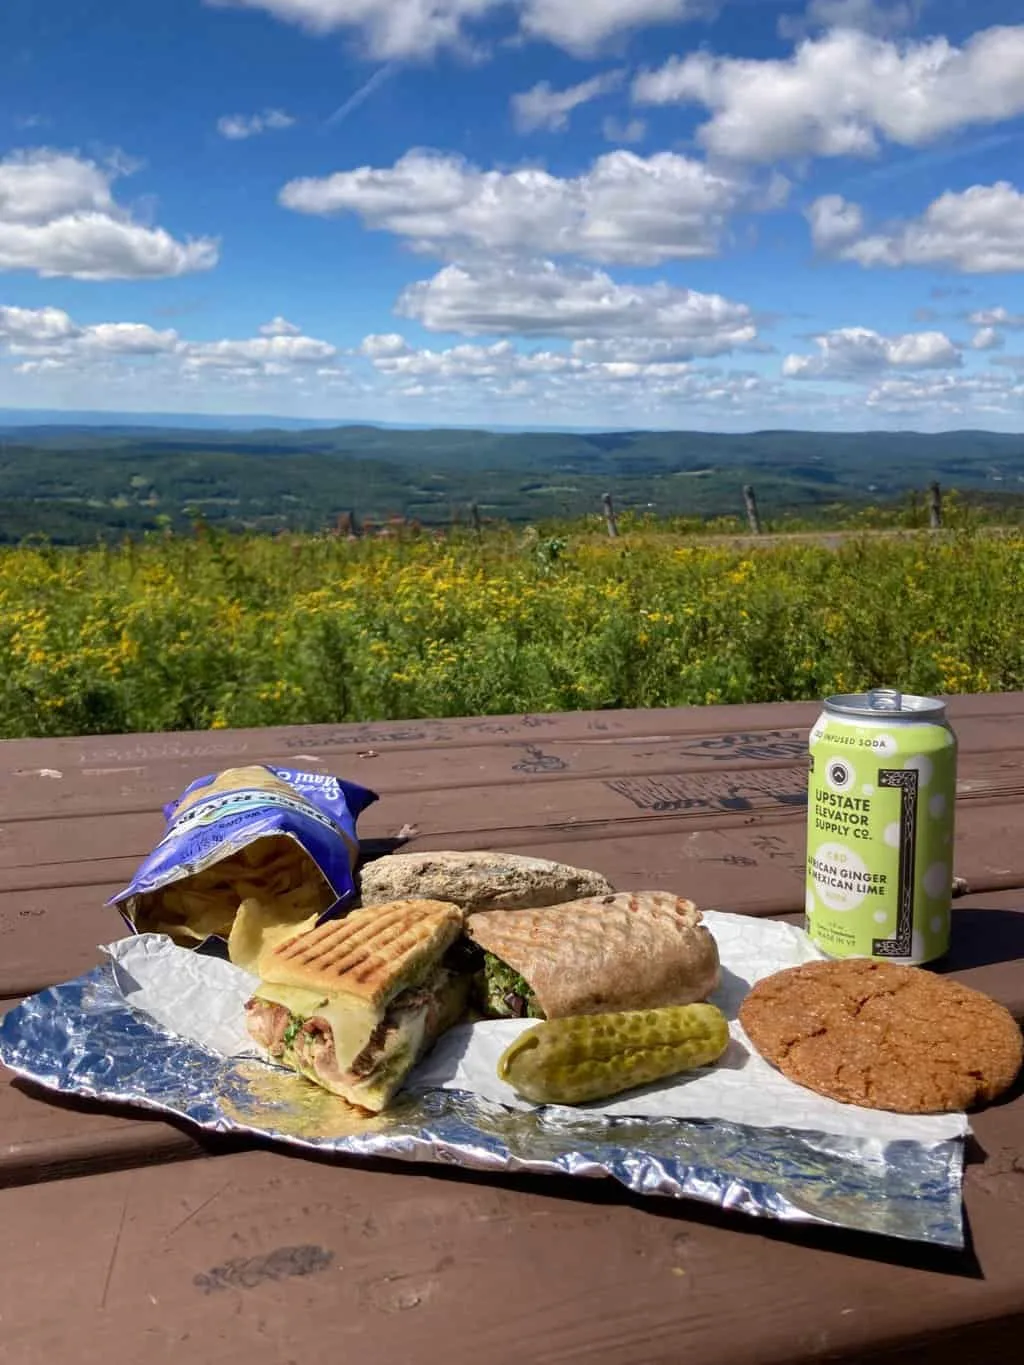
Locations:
(260, 925)
(280, 843)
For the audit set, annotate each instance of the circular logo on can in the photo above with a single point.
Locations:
(840, 775)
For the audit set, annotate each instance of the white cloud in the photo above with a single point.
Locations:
(544, 107)
(280, 327)
(625, 208)
(238, 127)
(852, 353)
(258, 354)
(835, 223)
(584, 26)
(383, 345)
(845, 93)
(128, 338)
(39, 186)
(987, 339)
(996, 317)
(870, 16)
(542, 299)
(620, 130)
(387, 28)
(978, 231)
(953, 395)
(660, 351)
(51, 334)
(569, 379)
(35, 326)
(58, 217)
(419, 28)
(39, 366)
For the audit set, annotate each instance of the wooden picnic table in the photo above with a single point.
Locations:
(131, 1240)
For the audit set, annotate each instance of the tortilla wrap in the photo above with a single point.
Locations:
(635, 950)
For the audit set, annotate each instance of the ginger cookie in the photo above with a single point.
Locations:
(884, 1036)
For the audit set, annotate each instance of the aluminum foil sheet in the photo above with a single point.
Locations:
(82, 1038)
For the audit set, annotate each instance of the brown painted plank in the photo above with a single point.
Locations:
(258, 1259)
(990, 767)
(40, 794)
(685, 800)
(215, 746)
(205, 750)
(491, 801)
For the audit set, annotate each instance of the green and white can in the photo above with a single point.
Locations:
(880, 811)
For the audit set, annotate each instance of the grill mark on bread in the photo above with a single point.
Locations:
(368, 950)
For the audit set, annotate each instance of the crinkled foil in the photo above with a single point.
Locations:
(82, 1038)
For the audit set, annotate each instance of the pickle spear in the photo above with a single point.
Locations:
(592, 1056)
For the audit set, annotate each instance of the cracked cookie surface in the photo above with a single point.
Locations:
(884, 1036)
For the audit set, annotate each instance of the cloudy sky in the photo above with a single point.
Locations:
(717, 214)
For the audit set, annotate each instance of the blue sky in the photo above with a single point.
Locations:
(592, 213)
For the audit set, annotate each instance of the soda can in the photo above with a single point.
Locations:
(880, 810)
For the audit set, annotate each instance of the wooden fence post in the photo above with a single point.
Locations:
(935, 506)
(753, 519)
(609, 515)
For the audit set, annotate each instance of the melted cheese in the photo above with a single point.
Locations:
(351, 1021)
(394, 1064)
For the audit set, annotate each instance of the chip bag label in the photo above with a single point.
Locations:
(280, 842)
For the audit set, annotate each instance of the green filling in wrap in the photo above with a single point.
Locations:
(506, 994)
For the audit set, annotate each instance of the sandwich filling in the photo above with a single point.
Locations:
(347, 1045)
(506, 994)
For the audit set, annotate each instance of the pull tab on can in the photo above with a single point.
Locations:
(885, 699)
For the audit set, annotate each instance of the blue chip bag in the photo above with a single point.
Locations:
(249, 856)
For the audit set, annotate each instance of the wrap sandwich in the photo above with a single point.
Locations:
(633, 951)
(354, 1003)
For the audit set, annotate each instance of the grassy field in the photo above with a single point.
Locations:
(214, 631)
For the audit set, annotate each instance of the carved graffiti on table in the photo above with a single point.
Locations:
(365, 734)
(410, 734)
(698, 791)
(757, 745)
(536, 761)
(498, 727)
(772, 846)
(777, 850)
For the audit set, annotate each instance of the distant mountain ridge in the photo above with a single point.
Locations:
(19, 418)
(73, 482)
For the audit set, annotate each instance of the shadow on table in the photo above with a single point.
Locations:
(688, 1215)
(181, 1141)
(983, 937)
(372, 849)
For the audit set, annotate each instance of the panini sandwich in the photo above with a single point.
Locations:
(354, 1003)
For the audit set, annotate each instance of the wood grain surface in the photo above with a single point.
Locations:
(262, 1257)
